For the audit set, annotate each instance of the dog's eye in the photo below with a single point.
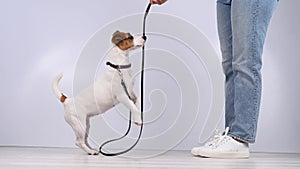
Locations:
(130, 37)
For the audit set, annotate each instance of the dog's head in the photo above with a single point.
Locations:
(125, 41)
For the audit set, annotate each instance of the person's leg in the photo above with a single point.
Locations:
(242, 26)
(225, 38)
(250, 21)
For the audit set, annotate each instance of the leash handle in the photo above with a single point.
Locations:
(142, 101)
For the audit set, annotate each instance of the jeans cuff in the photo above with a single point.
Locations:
(240, 138)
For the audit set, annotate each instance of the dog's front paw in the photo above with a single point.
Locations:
(138, 123)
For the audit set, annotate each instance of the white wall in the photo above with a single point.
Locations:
(42, 38)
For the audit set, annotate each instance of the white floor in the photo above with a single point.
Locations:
(32, 157)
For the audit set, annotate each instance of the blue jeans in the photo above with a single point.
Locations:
(242, 28)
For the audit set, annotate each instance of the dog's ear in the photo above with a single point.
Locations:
(117, 31)
(118, 37)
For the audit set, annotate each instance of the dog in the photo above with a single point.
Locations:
(114, 86)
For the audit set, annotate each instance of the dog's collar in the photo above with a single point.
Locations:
(118, 66)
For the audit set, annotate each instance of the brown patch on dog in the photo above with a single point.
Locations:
(63, 98)
(123, 40)
(117, 37)
(126, 44)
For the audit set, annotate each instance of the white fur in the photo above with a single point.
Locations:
(101, 96)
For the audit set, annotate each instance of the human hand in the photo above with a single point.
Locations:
(157, 1)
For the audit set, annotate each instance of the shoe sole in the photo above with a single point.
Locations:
(224, 155)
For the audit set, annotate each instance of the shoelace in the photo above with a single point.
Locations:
(218, 138)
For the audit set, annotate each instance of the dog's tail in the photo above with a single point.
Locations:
(55, 88)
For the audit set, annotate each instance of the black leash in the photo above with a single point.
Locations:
(142, 100)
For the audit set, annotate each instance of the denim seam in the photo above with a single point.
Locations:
(254, 59)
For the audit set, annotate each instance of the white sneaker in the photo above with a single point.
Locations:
(222, 146)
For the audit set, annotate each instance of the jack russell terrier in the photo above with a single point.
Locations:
(114, 86)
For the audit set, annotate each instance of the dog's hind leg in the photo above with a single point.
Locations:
(80, 127)
(87, 132)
